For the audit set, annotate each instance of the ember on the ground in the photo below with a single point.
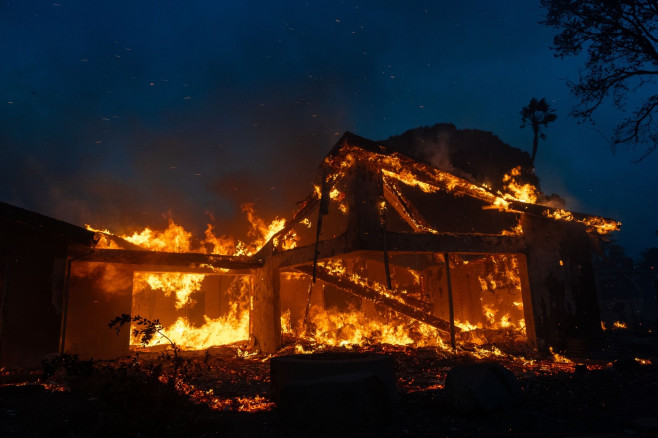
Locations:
(224, 391)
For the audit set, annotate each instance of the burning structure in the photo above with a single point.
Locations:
(385, 249)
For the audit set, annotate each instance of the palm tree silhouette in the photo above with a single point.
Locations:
(537, 114)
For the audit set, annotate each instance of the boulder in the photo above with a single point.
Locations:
(482, 387)
(334, 401)
(329, 390)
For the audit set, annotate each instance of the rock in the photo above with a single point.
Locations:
(336, 400)
(328, 390)
(286, 370)
(482, 387)
(646, 425)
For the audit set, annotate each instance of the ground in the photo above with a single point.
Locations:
(224, 392)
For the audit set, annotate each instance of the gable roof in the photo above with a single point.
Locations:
(395, 166)
(14, 218)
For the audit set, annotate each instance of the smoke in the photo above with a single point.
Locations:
(436, 150)
(125, 126)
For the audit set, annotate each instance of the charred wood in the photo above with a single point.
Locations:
(378, 298)
(190, 260)
(305, 254)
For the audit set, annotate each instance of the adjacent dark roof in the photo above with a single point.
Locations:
(12, 217)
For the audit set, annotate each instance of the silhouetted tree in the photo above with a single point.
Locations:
(649, 260)
(537, 114)
(621, 41)
(614, 258)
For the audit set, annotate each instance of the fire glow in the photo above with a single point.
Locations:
(491, 300)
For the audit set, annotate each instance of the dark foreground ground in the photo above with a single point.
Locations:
(224, 393)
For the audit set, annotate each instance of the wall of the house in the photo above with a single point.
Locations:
(295, 296)
(97, 293)
(30, 301)
(561, 280)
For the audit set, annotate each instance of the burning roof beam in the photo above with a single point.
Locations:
(448, 242)
(193, 261)
(375, 296)
(325, 249)
(11, 215)
(427, 178)
(405, 209)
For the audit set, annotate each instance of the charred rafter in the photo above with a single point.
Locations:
(404, 208)
(183, 260)
(377, 297)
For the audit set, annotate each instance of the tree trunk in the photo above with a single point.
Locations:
(535, 142)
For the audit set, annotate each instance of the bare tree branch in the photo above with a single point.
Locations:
(620, 38)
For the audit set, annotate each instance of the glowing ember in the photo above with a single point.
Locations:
(620, 325)
(559, 358)
(354, 328)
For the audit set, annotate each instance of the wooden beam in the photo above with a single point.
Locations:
(451, 305)
(306, 206)
(376, 297)
(404, 209)
(449, 242)
(304, 254)
(12, 216)
(265, 315)
(182, 260)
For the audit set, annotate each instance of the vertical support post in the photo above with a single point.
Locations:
(528, 312)
(65, 307)
(308, 301)
(382, 221)
(451, 308)
(266, 305)
(323, 210)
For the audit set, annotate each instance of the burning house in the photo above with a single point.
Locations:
(386, 248)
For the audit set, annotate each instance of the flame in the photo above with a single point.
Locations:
(174, 238)
(600, 225)
(181, 285)
(430, 180)
(354, 328)
(223, 245)
(592, 223)
(220, 331)
(467, 326)
(516, 231)
(559, 214)
(499, 276)
(520, 192)
(615, 325)
(260, 231)
(231, 327)
(620, 325)
(559, 358)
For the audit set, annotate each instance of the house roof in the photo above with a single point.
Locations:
(396, 166)
(13, 218)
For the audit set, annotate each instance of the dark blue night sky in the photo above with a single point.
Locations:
(119, 113)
